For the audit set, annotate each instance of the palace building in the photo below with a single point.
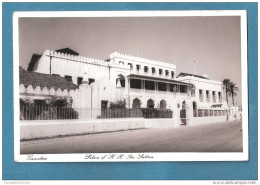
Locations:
(142, 83)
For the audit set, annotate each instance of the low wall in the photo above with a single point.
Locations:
(211, 119)
(160, 123)
(53, 128)
(44, 129)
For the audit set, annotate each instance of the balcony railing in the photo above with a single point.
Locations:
(208, 112)
(158, 92)
(208, 100)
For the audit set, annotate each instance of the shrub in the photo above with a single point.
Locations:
(157, 113)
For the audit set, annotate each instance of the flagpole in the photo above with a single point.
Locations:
(194, 67)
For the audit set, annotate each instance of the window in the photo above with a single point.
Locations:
(214, 94)
(166, 72)
(207, 94)
(91, 80)
(79, 80)
(135, 83)
(183, 88)
(153, 70)
(131, 65)
(146, 69)
(173, 88)
(219, 95)
(138, 67)
(160, 71)
(68, 78)
(172, 74)
(162, 86)
(121, 62)
(149, 85)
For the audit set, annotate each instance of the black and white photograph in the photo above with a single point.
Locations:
(131, 86)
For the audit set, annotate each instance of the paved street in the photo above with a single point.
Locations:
(213, 137)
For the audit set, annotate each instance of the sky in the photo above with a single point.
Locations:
(212, 42)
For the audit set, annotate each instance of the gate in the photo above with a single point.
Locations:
(183, 117)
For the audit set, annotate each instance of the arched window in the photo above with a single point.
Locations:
(120, 81)
(163, 104)
(150, 103)
(136, 104)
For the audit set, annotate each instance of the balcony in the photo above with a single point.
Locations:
(155, 92)
(208, 100)
(201, 98)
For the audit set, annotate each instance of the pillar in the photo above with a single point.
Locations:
(189, 112)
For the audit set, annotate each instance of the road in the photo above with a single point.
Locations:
(212, 137)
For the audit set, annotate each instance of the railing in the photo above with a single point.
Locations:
(208, 112)
(214, 100)
(201, 98)
(120, 113)
(158, 92)
(208, 100)
(47, 113)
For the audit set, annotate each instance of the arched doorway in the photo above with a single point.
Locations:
(150, 104)
(120, 81)
(163, 104)
(136, 104)
(183, 113)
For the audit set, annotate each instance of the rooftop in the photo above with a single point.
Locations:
(44, 80)
(67, 51)
(188, 74)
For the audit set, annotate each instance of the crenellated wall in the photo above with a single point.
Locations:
(41, 93)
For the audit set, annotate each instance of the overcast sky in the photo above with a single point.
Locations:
(213, 42)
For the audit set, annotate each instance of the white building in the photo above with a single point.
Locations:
(142, 83)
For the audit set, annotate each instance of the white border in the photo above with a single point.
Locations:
(187, 156)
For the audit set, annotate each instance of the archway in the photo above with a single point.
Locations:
(163, 104)
(150, 103)
(120, 81)
(136, 104)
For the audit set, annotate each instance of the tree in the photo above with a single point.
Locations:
(226, 82)
(232, 91)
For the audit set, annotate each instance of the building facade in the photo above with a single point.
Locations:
(140, 82)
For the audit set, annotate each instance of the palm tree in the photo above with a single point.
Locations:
(226, 82)
(232, 91)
